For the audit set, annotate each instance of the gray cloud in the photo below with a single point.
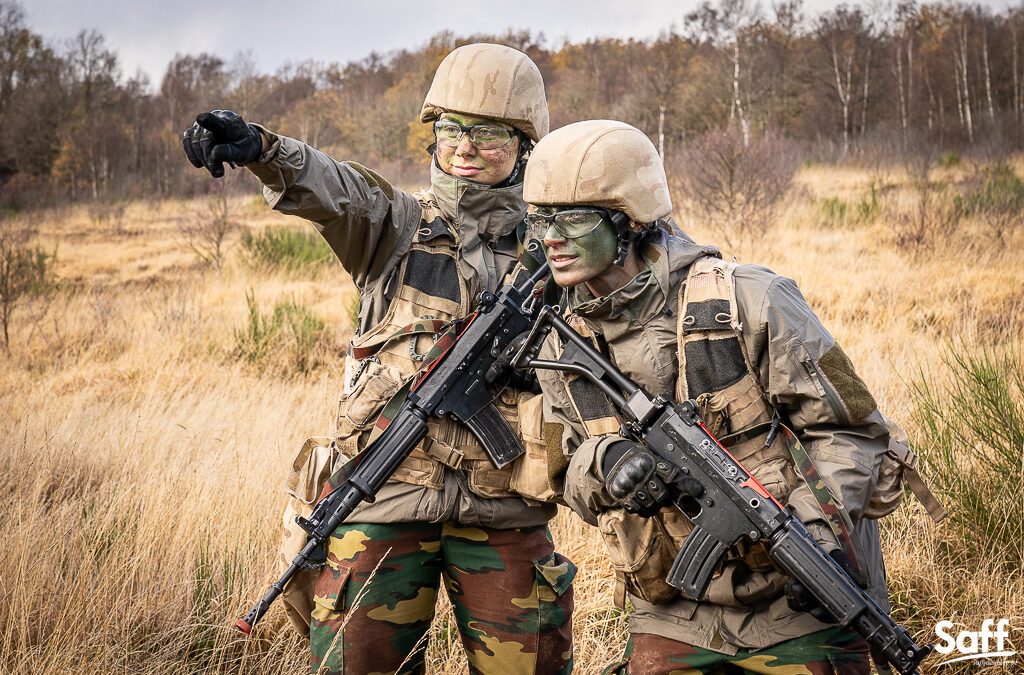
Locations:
(147, 34)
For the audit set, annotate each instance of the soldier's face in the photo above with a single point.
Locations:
(487, 167)
(587, 259)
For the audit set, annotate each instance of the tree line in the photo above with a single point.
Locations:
(847, 83)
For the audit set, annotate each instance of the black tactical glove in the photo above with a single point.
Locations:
(800, 599)
(640, 482)
(221, 136)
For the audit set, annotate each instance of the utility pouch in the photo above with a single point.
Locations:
(530, 472)
(641, 553)
(899, 468)
(309, 472)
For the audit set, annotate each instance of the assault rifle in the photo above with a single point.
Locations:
(455, 384)
(734, 504)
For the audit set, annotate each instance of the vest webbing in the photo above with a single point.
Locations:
(718, 302)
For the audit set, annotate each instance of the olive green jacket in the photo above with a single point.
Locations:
(639, 323)
(370, 226)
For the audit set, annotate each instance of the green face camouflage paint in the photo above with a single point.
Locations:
(584, 259)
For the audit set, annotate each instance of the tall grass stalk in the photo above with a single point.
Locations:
(142, 471)
(973, 428)
(286, 248)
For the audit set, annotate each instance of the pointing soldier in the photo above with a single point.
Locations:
(419, 261)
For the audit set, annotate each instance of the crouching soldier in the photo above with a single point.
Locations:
(771, 383)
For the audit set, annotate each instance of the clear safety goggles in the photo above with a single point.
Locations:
(568, 224)
(483, 136)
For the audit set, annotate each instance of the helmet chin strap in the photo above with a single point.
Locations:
(625, 235)
(525, 145)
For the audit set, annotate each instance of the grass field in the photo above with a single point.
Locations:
(142, 458)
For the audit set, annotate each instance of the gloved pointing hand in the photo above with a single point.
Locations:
(800, 599)
(221, 136)
(635, 478)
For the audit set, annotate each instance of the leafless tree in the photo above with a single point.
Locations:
(736, 185)
(207, 229)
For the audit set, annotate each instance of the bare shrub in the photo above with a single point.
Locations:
(736, 184)
(934, 213)
(206, 230)
(107, 214)
(174, 306)
(933, 216)
(26, 269)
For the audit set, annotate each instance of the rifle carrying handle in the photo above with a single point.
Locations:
(696, 562)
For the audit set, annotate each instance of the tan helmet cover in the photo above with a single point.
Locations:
(599, 163)
(487, 80)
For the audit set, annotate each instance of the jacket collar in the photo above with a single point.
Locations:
(666, 260)
(480, 215)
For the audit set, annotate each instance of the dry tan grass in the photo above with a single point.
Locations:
(142, 464)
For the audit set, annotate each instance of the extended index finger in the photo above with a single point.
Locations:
(213, 122)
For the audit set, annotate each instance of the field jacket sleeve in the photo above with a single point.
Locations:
(813, 385)
(367, 223)
(583, 488)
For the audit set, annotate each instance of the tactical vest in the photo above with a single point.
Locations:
(428, 293)
(713, 369)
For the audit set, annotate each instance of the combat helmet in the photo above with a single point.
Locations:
(599, 163)
(489, 80)
(606, 164)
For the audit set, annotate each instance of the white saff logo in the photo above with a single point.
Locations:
(974, 644)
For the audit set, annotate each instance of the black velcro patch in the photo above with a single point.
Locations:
(704, 314)
(591, 401)
(713, 365)
(433, 274)
(433, 229)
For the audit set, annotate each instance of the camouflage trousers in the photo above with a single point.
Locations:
(511, 593)
(828, 652)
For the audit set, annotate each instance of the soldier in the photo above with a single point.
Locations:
(419, 261)
(770, 382)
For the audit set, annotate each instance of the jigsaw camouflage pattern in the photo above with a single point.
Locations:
(594, 163)
(493, 81)
(828, 652)
(511, 593)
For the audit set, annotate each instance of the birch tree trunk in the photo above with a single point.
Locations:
(661, 131)
(864, 105)
(968, 119)
(988, 74)
(843, 91)
(910, 76)
(902, 95)
(1016, 79)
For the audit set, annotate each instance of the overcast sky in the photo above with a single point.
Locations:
(146, 34)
